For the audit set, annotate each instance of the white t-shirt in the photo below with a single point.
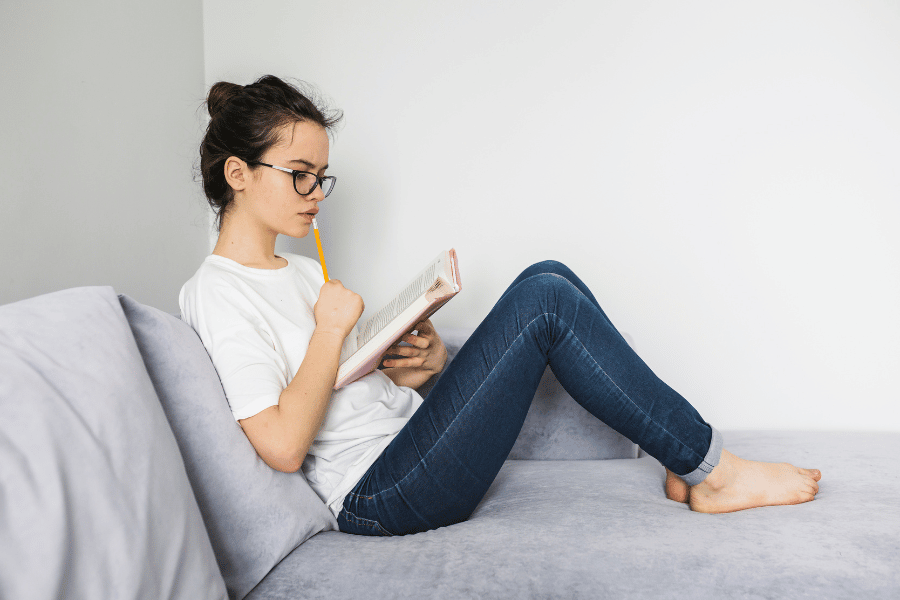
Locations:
(256, 325)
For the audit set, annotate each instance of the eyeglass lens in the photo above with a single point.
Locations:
(304, 183)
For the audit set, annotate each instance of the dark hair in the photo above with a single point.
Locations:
(245, 121)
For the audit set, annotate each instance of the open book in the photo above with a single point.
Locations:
(430, 290)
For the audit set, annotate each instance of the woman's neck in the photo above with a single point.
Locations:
(247, 245)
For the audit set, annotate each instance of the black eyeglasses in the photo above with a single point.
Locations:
(304, 181)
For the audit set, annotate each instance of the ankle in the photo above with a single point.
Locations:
(719, 476)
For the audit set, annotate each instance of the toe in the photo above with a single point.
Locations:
(814, 473)
(810, 483)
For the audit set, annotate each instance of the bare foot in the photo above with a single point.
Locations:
(676, 488)
(736, 484)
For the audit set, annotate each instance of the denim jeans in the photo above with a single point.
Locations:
(441, 463)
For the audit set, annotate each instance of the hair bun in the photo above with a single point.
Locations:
(219, 95)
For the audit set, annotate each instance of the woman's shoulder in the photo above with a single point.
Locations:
(214, 286)
(212, 276)
(308, 267)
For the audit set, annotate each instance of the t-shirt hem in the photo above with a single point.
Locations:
(351, 478)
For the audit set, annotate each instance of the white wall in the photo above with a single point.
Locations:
(98, 134)
(724, 175)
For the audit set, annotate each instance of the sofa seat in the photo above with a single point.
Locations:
(604, 529)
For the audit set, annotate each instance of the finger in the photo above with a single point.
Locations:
(410, 351)
(404, 362)
(416, 340)
(429, 331)
(397, 347)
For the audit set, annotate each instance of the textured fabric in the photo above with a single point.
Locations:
(94, 499)
(604, 529)
(256, 325)
(435, 472)
(255, 515)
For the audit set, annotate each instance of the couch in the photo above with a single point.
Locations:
(124, 476)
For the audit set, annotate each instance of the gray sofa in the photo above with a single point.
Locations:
(124, 476)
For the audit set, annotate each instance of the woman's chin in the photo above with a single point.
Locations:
(298, 232)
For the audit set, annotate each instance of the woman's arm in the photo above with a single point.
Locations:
(424, 357)
(282, 434)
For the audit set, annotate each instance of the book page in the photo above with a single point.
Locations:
(416, 288)
(349, 346)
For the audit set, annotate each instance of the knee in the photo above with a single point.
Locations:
(552, 267)
(547, 286)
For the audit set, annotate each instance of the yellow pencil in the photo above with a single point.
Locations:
(319, 244)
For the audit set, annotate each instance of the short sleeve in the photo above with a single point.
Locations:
(253, 373)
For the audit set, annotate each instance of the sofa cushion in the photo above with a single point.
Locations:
(94, 498)
(604, 529)
(255, 515)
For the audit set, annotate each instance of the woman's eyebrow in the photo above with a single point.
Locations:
(308, 164)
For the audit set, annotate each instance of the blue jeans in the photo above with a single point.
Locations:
(439, 466)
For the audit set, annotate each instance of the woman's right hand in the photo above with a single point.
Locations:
(338, 309)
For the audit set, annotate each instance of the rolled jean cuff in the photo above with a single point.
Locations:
(709, 461)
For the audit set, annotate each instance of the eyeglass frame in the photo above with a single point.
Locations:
(295, 173)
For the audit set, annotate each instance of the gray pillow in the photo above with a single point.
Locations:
(255, 515)
(94, 499)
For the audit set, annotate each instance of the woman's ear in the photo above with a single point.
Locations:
(237, 173)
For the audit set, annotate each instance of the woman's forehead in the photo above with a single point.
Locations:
(303, 140)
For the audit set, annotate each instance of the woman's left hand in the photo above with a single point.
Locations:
(417, 363)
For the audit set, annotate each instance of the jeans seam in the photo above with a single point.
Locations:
(611, 380)
(363, 522)
(359, 496)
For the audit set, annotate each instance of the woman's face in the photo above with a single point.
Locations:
(274, 203)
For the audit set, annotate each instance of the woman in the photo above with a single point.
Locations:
(385, 460)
